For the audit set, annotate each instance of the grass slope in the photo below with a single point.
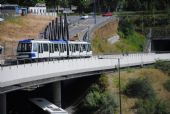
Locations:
(156, 77)
(23, 27)
(133, 43)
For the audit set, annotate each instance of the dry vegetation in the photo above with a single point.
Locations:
(107, 30)
(23, 27)
(27, 27)
(156, 78)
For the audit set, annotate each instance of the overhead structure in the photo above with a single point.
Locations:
(57, 29)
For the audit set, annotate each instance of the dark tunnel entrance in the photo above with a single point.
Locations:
(161, 46)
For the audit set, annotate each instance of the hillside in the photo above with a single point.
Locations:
(23, 27)
(131, 42)
(156, 77)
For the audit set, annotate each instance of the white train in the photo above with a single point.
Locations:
(38, 49)
(47, 106)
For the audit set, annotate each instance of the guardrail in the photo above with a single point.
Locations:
(123, 56)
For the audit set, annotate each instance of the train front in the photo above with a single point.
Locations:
(25, 50)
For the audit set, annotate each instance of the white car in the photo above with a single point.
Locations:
(84, 17)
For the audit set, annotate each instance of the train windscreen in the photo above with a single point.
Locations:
(24, 47)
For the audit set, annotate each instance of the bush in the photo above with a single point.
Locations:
(108, 103)
(126, 26)
(152, 107)
(98, 100)
(103, 82)
(102, 103)
(139, 88)
(163, 65)
(92, 100)
(167, 85)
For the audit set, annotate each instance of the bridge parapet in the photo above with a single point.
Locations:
(50, 71)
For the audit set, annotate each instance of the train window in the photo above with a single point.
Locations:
(81, 48)
(70, 47)
(77, 47)
(73, 48)
(24, 47)
(51, 48)
(61, 49)
(35, 47)
(84, 47)
(64, 47)
(88, 47)
(45, 47)
(56, 47)
(40, 49)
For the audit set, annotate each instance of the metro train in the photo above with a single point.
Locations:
(41, 49)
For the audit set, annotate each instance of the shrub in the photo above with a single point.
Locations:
(103, 103)
(163, 65)
(92, 100)
(126, 26)
(98, 100)
(103, 82)
(167, 85)
(108, 103)
(139, 88)
(152, 107)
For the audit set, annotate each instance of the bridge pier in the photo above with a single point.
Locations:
(3, 103)
(57, 93)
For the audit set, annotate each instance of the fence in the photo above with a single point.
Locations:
(45, 14)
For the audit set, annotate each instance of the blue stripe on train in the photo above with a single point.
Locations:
(32, 55)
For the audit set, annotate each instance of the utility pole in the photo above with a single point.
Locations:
(120, 100)
(94, 11)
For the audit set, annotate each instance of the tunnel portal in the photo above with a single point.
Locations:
(161, 46)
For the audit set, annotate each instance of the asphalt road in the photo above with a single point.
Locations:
(78, 25)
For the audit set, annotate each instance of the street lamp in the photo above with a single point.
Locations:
(118, 67)
(94, 8)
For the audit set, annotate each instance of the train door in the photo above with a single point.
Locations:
(77, 53)
(89, 50)
(84, 49)
(70, 50)
(34, 50)
(46, 53)
(65, 49)
(81, 49)
(40, 50)
(51, 48)
(61, 50)
(73, 50)
(56, 50)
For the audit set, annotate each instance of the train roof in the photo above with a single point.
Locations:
(41, 41)
(50, 41)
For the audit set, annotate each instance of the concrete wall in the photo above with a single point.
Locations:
(11, 75)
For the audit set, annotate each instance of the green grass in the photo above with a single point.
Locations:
(132, 43)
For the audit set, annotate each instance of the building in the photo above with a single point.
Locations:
(38, 9)
(12, 10)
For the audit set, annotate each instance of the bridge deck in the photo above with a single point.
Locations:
(18, 74)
